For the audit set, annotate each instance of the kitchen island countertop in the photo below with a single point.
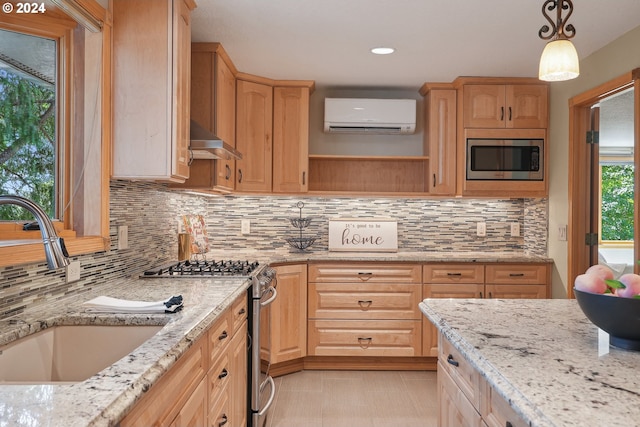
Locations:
(545, 358)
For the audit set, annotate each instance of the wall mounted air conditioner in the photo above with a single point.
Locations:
(365, 115)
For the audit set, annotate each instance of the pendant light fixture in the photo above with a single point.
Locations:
(559, 60)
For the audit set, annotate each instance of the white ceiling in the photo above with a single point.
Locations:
(436, 40)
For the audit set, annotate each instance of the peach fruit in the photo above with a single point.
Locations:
(632, 286)
(591, 283)
(601, 270)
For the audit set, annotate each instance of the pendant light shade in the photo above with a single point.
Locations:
(559, 61)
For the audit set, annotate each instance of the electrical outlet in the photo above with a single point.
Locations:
(562, 232)
(73, 271)
(481, 229)
(123, 237)
(245, 226)
(515, 229)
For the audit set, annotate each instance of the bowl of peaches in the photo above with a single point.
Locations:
(612, 305)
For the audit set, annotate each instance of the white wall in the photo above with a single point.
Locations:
(613, 60)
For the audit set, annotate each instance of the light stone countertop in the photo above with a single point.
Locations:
(105, 398)
(545, 358)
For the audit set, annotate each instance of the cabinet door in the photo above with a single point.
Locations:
(182, 76)
(440, 140)
(225, 122)
(290, 139)
(194, 411)
(455, 410)
(151, 78)
(254, 121)
(288, 318)
(484, 106)
(527, 106)
(440, 290)
(238, 385)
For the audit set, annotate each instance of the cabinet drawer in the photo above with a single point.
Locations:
(365, 272)
(364, 301)
(453, 273)
(364, 338)
(219, 376)
(239, 311)
(462, 373)
(512, 274)
(219, 411)
(219, 336)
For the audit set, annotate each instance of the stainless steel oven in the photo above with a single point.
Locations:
(511, 159)
(261, 385)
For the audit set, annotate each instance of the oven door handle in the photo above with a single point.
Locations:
(272, 386)
(273, 296)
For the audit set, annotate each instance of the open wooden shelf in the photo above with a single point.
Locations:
(368, 174)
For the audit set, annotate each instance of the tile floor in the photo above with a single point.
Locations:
(355, 399)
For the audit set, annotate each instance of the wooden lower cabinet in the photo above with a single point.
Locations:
(364, 309)
(208, 384)
(465, 399)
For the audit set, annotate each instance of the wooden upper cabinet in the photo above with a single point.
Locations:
(151, 89)
(505, 106)
(254, 135)
(213, 106)
(291, 139)
(440, 140)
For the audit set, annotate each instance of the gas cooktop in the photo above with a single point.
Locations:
(190, 269)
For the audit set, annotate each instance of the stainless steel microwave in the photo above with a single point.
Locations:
(509, 159)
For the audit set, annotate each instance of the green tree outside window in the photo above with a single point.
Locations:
(617, 192)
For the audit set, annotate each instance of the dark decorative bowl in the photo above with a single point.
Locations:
(619, 317)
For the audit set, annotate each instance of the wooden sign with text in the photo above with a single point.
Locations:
(363, 235)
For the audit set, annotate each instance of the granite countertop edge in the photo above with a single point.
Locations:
(518, 402)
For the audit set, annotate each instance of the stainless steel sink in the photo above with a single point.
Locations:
(69, 353)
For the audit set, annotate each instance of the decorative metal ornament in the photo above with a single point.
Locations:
(557, 28)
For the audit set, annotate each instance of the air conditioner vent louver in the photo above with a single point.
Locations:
(372, 116)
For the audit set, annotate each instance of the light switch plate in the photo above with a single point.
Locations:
(245, 226)
(73, 271)
(481, 229)
(515, 229)
(123, 237)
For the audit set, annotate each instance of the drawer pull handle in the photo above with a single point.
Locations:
(224, 420)
(223, 374)
(481, 296)
(454, 274)
(364, 342)
(452, 361)
(223, 335)
(242, 311)
(516, 274)
(365, 276)
(365, 303)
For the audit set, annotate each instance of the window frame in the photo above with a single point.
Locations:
(18, 246)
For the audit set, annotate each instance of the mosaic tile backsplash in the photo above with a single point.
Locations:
(152, 212)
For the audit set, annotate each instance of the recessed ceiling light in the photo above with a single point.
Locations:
(382, 50)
